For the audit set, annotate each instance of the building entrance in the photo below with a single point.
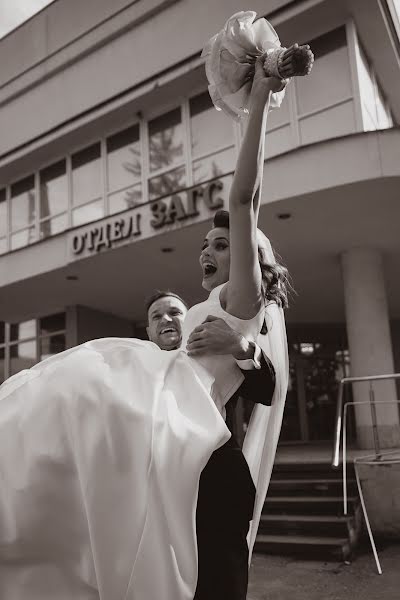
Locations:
(316, 368)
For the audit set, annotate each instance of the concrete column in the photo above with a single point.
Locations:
(368, 332)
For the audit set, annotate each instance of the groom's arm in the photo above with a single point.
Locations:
(215, 336)
(259, 377)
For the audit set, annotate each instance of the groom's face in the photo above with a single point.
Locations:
(165, 319)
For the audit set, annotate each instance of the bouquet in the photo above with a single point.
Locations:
(230, 61)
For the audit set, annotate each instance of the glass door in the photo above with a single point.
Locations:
(294, 425)
(316, 369)
(321, 375)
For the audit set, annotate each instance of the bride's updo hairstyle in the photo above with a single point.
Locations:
(275, 277)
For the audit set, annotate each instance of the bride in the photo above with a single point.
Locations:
(102, 446)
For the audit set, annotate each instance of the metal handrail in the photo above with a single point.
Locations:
(370, 459)
(378, 455)
(339, 411)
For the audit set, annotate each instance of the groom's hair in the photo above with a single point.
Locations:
(162, 294)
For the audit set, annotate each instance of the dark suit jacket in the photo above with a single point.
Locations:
(258, 387)
(226, 501)
(226, 480)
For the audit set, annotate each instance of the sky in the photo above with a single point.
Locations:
(15, 12)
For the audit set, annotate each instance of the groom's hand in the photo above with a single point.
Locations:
(215, 336)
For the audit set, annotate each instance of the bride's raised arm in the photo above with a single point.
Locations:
(244, 294)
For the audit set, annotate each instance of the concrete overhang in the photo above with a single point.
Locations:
(34, 81)
(339, 193)
(377, 26)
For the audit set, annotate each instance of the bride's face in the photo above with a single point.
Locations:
(215, 258)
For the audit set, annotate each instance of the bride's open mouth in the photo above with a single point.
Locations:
(208, 269)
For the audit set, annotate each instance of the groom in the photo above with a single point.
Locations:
(226, 491)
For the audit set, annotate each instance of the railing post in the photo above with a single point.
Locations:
(338, 427)
(374, 421)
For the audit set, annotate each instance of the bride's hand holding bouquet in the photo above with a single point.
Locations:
(234, 55)
(263, 85)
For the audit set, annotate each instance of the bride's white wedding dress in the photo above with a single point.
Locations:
(101, 450)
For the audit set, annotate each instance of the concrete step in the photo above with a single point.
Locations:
(303, 512)
(307, 470)
(310, 486)
(300, 524)
(337, 548)
(302, 504)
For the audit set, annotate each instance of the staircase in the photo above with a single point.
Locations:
(303, 513)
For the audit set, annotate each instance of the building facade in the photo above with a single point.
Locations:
(113, 161)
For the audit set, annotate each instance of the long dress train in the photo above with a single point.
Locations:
(101, 450)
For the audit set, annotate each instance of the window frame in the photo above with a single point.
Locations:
(37, 338)
(346, 34)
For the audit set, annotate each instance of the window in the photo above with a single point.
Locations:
(22, 356)
(166, 140)
(210, 129)
(51, 345)
(53, 199)
(167, 183)
(367, 92)
(23, 330)
(29, 342)
(124, 169)
(87, 213)
(2, 352)
(166, 150)
(52, 324)
(53, 226)
(51, 335)
(188, 145)
(212, 139)
(87, 185)
(382, 109)
(3, 214)
(23, 212)
(23, 203)
(2, 365)
(330, 78)
(3, 221)
(375, 111)
(53, 190)
(394, 10)
(319, 358)
(324, 99)
(22, 346)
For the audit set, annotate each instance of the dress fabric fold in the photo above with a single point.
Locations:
(101, 451)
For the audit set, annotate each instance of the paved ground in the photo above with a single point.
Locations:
(285, 578)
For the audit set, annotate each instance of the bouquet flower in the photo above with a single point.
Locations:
(230, 61)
